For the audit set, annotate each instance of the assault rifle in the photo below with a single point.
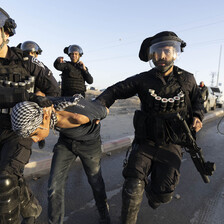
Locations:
(204, 168)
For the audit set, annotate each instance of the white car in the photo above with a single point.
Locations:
(210, 104)
(220, 97)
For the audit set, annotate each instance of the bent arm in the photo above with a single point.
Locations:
(60, 65)
(79, 105)
(87, 76)
(70, 120)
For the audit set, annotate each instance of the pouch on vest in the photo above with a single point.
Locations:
(139, 122)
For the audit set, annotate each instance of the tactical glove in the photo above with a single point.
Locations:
(40, 100)
(41, 144)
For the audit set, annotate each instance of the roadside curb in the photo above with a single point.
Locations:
(43, 164)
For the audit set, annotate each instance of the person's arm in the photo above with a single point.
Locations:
(197, 106)
(79, 105)
(120, 90)
(70, 120)
(87, 76)
(60, 64)
(44, 79)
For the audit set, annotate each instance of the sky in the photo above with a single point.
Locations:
(111, 32)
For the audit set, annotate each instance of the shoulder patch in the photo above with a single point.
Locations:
(37, 62)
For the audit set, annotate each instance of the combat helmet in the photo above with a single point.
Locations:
(7, 23)
(71, 48)
(30, 46)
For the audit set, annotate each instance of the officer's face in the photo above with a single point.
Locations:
(164, 54)
(33, 54)
(74, 56)
(163, 58)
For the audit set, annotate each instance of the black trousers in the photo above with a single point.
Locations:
(163, 163)
(14, 155)
(65, 152)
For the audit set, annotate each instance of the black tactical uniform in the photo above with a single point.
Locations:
(18, 76)
(73, 75)
(155, 149)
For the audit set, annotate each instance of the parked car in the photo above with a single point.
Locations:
(220, 97)
(210, 104)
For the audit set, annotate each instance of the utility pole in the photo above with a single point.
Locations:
(213, 77)
(220, 54)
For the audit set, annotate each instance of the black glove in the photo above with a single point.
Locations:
(42, 101)
(41, 144)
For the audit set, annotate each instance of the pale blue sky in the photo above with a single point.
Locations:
(111, 32)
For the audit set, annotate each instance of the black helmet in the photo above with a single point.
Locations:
(7, 23)
(30, 46)
(166, 37)
(68, 50)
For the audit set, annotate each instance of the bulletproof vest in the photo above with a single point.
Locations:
(13, 73)
(72, 81)
(157, 120)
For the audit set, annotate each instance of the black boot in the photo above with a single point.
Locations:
(131, 200)
(155, 200)
(104, 215)
(30, 220)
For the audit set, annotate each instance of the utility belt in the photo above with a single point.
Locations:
(159, 128)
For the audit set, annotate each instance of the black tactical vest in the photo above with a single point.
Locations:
(156, 122)
(13, 73)
(72, 81)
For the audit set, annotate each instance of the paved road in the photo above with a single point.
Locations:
(198, 203)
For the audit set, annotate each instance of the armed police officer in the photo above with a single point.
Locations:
(19, 75)
(74, 73)
(155, 159)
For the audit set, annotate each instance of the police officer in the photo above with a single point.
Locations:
(19, 75)
(31, 48)
(74, 73)
(156, 149)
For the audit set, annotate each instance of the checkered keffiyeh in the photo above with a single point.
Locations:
(67, 101)
(27, 116)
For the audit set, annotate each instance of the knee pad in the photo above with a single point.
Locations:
(133, 186)
(30, 206)
(9, 199)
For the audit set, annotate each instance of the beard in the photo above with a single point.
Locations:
(163, 66)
